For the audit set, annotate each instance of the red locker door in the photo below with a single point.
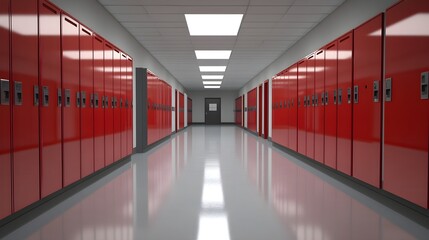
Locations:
(302, 106)
(293, 109)
(86, 108)
(51, 171)
(116, 106)
(108, 104)
(25, 133)
(310, 106)
(319, 116)
(98, 100)
(71, 103)
(5, 112)
(344, 102)
(331, 105)
(275, 116)
(260, 110)
(406, 103)
(170, 111)
(285, 110)
(130, 105)
(368, 65)
(124, 117)
(182, 108)
(150, 110)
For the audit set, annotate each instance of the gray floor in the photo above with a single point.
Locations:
(218, 183)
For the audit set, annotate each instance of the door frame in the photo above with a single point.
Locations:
(220, 108)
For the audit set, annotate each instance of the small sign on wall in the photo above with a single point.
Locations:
(212, 107)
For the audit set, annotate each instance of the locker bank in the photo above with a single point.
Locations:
(238, 119)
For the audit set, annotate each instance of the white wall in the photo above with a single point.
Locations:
(227, 104)
(346, 17)
(92, 14)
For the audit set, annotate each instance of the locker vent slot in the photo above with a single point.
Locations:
(4, 92)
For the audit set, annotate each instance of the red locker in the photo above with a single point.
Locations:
(98, 103)
(5, 112)
(260, 110)
(406, 102)
(310, 106)
(302, 106)
(293, 108)
(368, 65)
(25, 133)
(319, 116)
(51, 173)
(108, 104)
(71, 104)
(124, 117)
(130, 105)
(275, 136)
(331, 105)
(150, 109)
(116, 105)
(182, 108)
(169, 96)
(86, 108)
(282, 111)
(344, 103)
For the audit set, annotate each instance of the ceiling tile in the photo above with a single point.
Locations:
(311, 9)
(196, 9)
(267, 9)
(308, 18)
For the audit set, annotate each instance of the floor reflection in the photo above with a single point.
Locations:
(314, 206)
(218, 182)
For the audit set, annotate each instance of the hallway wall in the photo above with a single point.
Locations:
(227, 104)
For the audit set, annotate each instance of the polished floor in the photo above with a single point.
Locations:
(218, 183)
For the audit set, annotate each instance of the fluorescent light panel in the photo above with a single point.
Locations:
(212, 82)
(212, 68)
(212, 77)
(212, 54)
(211, 86)
(213, 24)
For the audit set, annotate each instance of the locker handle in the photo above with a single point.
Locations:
(4, 92)
(349, 95)
(335, 96)
(326, 98)
(36, 95)
(78, 99)
(83, 98)
(92, 100)
(95, 100)
(388, 89)
(18, 93)
(322, 97)
(424, 94)
(121, 103)
(59, 97)
(45, 91)
(340, 96)
(68, 97)
(356, 94)
(376, 91)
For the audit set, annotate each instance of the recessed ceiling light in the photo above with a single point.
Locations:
(213, 54)
(211, 86)
(213, 24)
(212, 76)
(212, 82)
(212, 68)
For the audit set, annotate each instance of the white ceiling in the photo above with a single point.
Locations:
(268, 29)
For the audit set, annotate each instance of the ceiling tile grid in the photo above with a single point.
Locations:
(268, 29)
